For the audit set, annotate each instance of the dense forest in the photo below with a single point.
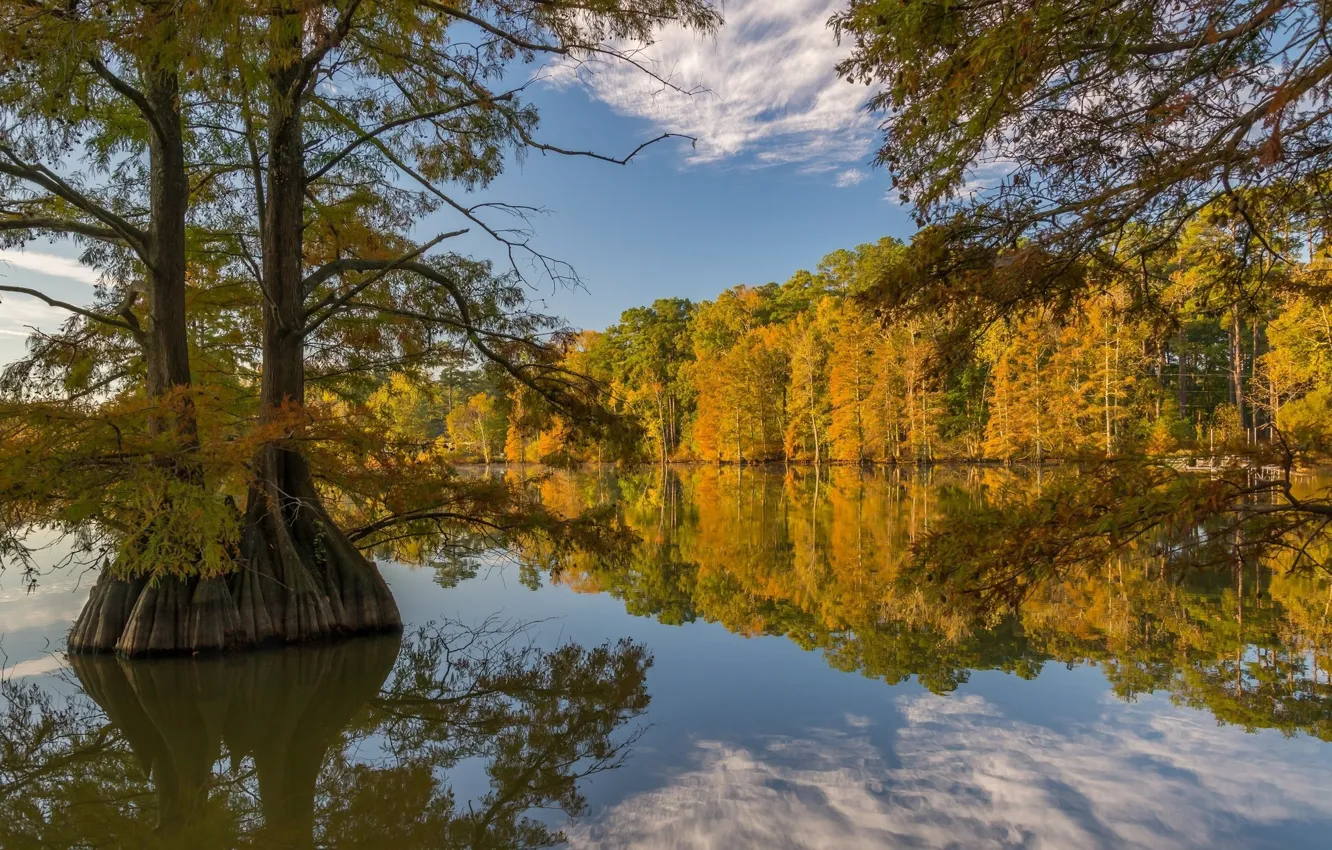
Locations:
(802, 371)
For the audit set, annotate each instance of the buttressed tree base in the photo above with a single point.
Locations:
(300, 579)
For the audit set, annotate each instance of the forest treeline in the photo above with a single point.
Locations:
(804, 371)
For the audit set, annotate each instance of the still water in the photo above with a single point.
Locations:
(738, 675)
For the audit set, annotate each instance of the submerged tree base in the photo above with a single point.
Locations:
(176, 616)
(298, 580)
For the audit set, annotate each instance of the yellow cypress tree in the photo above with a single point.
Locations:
(850, 380)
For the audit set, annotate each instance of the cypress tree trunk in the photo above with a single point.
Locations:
(167, 350)
(133, 615)
(304, 579)
(298, 577)
(1183, 387)
(1237, 371)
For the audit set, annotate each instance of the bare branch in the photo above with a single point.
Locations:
(51, 182)
(400, 122)
(330, 40)
(61, 225)
(333, 302)
(131, 94)
(87, 314)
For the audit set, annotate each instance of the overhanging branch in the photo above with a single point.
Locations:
(87, 314)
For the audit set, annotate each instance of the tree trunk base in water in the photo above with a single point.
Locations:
(182, 616)
(299, 579)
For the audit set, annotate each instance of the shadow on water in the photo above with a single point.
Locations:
(347, 745)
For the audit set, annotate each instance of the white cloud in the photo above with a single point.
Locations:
(19, 313)
(773, 96)
(34, 667)
(850, 177)
(47, 264)
(960, 774)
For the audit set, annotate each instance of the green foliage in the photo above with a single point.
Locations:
(1309, 418)
(181, 529)
(1104, 116)
(124, 491)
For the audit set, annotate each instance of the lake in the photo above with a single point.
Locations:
(740, 671)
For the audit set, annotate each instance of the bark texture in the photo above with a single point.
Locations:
(299, 579)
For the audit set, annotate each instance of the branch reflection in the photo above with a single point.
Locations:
(366, 743)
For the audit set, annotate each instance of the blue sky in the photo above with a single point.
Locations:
(780, 175)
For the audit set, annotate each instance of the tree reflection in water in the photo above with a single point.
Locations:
(824, 558)
(333, 745)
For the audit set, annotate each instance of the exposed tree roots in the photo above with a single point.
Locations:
(298, 579)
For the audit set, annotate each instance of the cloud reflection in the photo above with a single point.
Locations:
(961, 774)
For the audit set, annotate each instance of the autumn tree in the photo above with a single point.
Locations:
(415, 99)
(521, 427)
(319, 114)
(476, 426)
(651, 348)
(851, 374)
(807, 423)
(1098, 137)
(738, 358)
(412, 409)
(109, 85)
(102, 143)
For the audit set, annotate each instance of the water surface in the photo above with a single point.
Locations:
(743, 674)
